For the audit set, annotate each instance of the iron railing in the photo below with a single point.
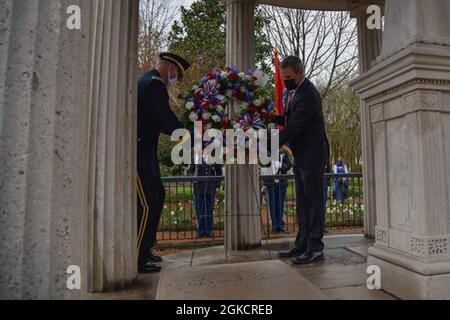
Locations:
(179, 222)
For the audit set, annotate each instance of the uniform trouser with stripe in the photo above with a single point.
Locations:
(150, 203)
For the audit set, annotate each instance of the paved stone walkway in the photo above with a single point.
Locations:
(341, 276)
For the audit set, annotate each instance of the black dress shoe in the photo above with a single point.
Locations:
(309, 258)
(294, 252)
(152, 257)
(149, 268)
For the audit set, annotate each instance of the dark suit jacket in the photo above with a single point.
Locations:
(305, 128)
(154, 116)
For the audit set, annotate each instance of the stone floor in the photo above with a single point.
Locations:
(341, 276)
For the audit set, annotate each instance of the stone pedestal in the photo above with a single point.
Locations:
(407, 94)
(242, 218)
(67, 173)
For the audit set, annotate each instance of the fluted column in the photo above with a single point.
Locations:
(66, 147)
(112, 223)
(43, 143)
(407, 96)
(369, 44)
(243, 227)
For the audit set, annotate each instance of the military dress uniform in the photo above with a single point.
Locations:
(154, 117)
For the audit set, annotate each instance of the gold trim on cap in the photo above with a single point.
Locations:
(175, 61)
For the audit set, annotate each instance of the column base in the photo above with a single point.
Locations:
(406, 284)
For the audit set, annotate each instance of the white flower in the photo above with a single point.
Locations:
(243, 89)
(193, 117)
(194, 88)
(206, 115)
(261, 78)
(220, 109)
(229, 93)
(241, 74)
(247, 77)
(216, 118)
(189, 105)
(224, 74)
(257, 102)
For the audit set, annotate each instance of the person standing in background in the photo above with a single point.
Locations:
(277, 189)
(205, 195)
(340, 183)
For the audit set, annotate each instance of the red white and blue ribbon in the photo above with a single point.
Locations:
(251, 121)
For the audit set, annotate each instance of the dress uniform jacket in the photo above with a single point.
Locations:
(154, 117)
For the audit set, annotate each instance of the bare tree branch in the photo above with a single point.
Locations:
(155, 18)
(326, 42)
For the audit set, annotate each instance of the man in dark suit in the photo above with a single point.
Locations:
(154, 117)
(305, 131)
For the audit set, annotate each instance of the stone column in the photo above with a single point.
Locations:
(407, 94)
(66, 165)
(112, 262)
(369, 43)
(243, 225)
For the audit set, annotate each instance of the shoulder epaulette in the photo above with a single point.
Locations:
(158, 79)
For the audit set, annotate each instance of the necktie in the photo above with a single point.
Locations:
(290, 96)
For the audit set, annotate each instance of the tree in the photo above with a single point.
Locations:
(343, 124)
(325, 41)
(327, 44)
(200, 36)
(155, 21)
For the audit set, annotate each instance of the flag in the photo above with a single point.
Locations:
(280, 87)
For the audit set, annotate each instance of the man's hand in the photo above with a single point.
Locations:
(280, 120)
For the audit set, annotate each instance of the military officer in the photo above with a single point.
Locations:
(154, 117)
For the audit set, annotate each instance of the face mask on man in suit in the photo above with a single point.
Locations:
(292, 78)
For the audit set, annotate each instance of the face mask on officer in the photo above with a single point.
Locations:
(171, 81)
